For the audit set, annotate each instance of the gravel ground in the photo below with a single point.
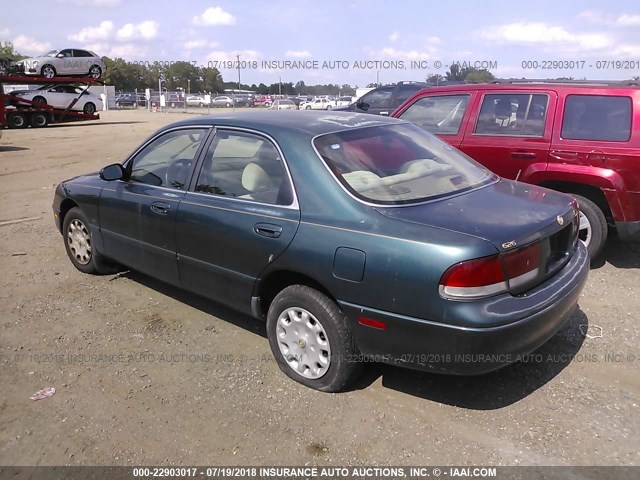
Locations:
(146, 374)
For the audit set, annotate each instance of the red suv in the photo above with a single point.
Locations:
(581, 139)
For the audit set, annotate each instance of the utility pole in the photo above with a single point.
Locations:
(238, 56)
(280, 86)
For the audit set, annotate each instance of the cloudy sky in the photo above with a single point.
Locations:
(349, 41)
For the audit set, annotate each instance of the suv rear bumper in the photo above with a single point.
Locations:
(628, 231)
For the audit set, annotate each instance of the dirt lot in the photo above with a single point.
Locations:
(576, 404)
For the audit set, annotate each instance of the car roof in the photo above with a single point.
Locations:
(309, 122)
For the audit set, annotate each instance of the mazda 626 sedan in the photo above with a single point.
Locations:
(354, 237)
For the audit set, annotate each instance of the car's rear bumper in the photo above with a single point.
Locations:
(521, 327)
(628, 231)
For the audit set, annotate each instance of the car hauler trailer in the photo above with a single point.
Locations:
(17, 112)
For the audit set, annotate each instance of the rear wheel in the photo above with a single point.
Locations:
(39, 99)
(593, 226)
(310, 339)
(48, 71)
(39, 120)
(17, 120)
(95, 71)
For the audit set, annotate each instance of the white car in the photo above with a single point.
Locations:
(318, 104)
(61, 96)
(283, 104)
(69, 61)
(345, 101)
(196, 101)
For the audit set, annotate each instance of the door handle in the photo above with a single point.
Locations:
(160, 207)
(268, 230)
(560, 155)
(523, 155)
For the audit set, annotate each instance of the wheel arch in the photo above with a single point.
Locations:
(274, 282)
(591, 192)
(66, 205)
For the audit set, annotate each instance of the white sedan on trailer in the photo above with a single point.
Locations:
(61, 96)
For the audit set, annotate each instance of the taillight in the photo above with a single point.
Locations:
(478, 278)
(488, 276)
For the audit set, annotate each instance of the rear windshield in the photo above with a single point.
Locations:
(398, 164)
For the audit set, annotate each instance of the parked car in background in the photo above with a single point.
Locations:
(142, 100)
(126, 100)
(196, 101)
(68, 61)
(301, 220)
(344, 101)
(579, 139)
(243, 101)
(318, 104)
(384, 100)
(283, 104)
(222, 101)
(262, 101)
(61, 96)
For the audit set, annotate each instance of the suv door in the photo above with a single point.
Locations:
(511, 132)
(239, 215)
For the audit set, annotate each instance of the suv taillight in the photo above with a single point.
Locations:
(489, 276)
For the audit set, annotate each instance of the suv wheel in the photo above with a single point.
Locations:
(310, 339)
(593, 226)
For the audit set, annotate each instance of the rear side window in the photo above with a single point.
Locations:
(438, 114)
(512, 115)
(597, 117)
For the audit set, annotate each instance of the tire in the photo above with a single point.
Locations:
(329, 367)
(95, 71)
(79, 245)
(48, 71)
(201, 105)
(39, 120)
(17, 120)
(228, 105)
(40, 100)
(307, 107)
(328, 107)
(593, 226)
(89, 108)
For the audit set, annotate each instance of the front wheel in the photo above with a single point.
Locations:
(39, 120)
(311, 341)
(593, 226)
(79, 244)
(17, 120)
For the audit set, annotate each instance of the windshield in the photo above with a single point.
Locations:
(398, 164)
(52, 53)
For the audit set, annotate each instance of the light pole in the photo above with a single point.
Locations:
(188, 86)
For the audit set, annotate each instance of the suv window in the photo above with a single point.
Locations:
(597, 117)
(512, 115)
(438, 114)
(405, 91)
(379, 98)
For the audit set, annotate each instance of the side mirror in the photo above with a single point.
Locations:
(60, 55)
(362, 105)
(112, 172)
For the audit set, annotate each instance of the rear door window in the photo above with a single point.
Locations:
(512, 115)
(597, 117)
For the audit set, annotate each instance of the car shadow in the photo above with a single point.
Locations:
(492, 390)
(198, 302)
(8, 148)
(485, 392)
(618, 253)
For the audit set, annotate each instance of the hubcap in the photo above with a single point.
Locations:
(48, 72)
(584, 229)
(95, 72)
(303, 343)
(79, 241)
